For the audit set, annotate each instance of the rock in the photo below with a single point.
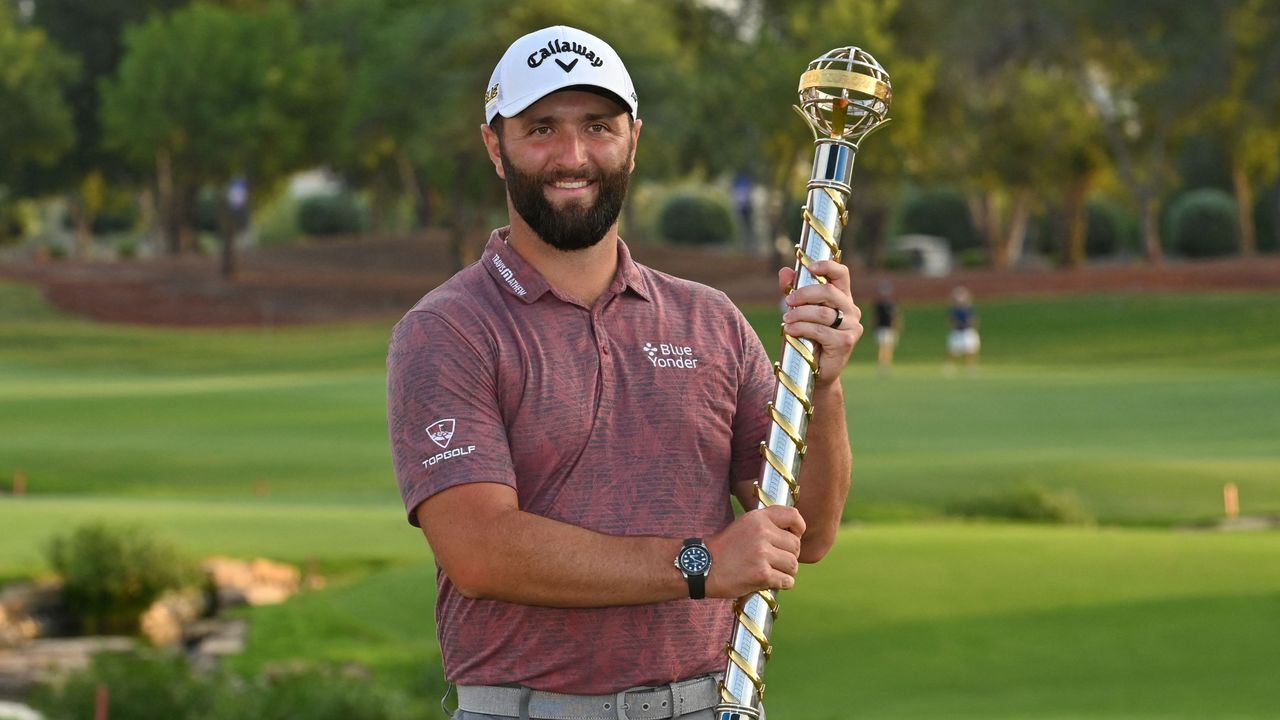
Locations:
(164, 622)
(260, 582)
(221, 638)
(30, 610)
(47, 659)
(17, 711)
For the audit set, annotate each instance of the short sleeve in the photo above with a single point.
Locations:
(443, 415)
(751, 417)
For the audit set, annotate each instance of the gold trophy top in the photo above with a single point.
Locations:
(845, 94)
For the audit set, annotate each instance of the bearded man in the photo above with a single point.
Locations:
(568, 426)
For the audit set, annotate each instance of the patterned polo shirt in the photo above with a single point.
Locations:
(630, 417)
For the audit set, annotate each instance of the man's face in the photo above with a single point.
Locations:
(567, 160)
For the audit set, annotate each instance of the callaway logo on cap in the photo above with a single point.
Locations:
(552, 59)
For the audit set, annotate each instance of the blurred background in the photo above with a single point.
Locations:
(212, 213)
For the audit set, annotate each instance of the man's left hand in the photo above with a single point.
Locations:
(814, 309)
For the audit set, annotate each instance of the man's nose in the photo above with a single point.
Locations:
(571, 151)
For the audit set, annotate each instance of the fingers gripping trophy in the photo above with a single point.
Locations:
(844, 95)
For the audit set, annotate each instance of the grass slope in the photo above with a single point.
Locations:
(934, 621)
(972, 621)
(1142, 404)
(1145, 405)
(1102, 395)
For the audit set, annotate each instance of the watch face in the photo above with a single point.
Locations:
(695, 560)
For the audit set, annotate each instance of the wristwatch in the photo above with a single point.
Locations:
(694, 562)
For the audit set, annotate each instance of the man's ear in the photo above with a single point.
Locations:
(493, 145)
(635, 142)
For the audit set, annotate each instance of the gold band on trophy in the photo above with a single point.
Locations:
(857, 82)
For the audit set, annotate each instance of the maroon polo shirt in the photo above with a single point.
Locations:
(630, 417)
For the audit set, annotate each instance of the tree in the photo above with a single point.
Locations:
(759, 93)
(35, 123)
(1245, 113)
(1150, 74)
(92, 32)
(414, 109)
(210, 94)
(1005, 119)
(378, 116)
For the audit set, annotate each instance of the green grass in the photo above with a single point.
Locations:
(90, 408)
(1151, 446)
(1145, 405)
(935, 621)
(271, 443)
(1202, 331)
(339, 535)
(976, 621)
(384, 622)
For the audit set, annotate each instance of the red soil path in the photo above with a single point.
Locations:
(356, 279)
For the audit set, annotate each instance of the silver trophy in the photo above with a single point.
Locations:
(844, 95)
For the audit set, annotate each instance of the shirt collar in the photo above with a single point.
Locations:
(519, 278)
(510, 270)
(629, 276)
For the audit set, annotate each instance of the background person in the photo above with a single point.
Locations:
(568, 426)
(963, 342)
(888, 327)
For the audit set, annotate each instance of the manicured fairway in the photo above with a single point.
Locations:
(1098, 395)
(936, 621)
(335, 534)
(977, 621)
(1144, 405)
(272, 442)
(1137, 446)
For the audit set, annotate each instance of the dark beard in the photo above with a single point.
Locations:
(575, 227)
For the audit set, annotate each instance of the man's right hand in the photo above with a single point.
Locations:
(759, 550)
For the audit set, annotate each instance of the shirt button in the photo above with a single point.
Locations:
(604, 349)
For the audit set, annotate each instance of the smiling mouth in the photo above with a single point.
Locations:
(570, 184)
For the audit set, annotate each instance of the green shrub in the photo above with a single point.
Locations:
(154, 685)
(327, 215)
(112, 574)
(1204, 223)
(972, 258)
(897, 261)
(120, 214)
(141, 685)
(1266, 218)
(696, 219)
(208, 209)
(11, 226)
(1026, 502)
(127, 248)
(319, 693)
(1107, 226)
(276, 223)
(941, 213)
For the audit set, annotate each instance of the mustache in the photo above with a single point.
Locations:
(585, 173)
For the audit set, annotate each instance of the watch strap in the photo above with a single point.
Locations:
(697, 583)
(697, 586)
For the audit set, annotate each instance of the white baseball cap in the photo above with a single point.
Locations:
(552, 59)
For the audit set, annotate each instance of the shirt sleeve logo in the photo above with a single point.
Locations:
(441, 432)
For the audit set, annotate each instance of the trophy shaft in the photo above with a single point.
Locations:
(845, 94)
